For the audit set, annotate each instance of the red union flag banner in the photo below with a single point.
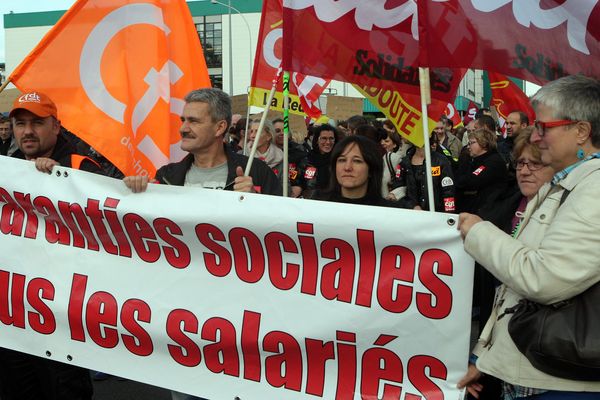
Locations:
(471, 111)
(367, 43)
(453, 115)
(305, 90)
(507, 97)
(213, 302)
(118, 71)
(534, 40)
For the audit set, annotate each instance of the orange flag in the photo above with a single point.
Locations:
(118, 71)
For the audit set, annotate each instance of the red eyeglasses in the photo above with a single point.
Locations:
(542, 126)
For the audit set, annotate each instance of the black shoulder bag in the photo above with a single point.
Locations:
(560, 339)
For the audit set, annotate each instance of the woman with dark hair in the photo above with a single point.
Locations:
(357, 170)
(317, 173)
(395, 152)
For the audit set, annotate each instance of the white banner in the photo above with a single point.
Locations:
(222, 294)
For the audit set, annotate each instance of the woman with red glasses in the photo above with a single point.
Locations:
(552, 255)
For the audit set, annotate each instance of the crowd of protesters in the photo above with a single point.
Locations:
(491, 176)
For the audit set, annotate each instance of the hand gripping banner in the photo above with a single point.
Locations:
(260, 297)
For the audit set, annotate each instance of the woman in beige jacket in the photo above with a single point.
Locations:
(554, 254)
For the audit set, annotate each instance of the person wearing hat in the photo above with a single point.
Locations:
(23, 376)
(38, 135)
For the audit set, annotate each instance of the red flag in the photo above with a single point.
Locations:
(535, 40)
(452, 114)
(367, 43)
(471, 111)
(305, 90)
(118, 72)
(507, 97)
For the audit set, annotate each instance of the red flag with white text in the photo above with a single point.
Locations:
(453, 115)
(371, 44)
(361, 44)
(534, 40)
(471, 111)
(508, 97)
(305, 90)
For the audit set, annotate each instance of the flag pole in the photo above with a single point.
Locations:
(425, 100)
(286, 132)
(247, 124)
(262, 123)
(5, 84)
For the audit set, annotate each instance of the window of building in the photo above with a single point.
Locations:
(210, 33)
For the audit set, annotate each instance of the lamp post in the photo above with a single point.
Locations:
(250, 58)
(229, 9)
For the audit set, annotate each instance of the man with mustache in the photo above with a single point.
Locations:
(38, 135)
(209, 164)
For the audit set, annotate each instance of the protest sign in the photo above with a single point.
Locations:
(224, 294)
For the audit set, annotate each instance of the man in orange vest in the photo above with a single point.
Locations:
(23, 376)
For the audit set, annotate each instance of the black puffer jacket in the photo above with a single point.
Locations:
(415, 179)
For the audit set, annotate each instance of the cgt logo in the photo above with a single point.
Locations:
(30, 98)
(158, 82)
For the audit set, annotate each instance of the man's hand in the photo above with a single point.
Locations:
(45, 164)
(242, 183)
(136, 183)
(466, 222)
(470, 381)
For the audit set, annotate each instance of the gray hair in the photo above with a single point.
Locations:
(218, 102)
(268, 127)
(574, 97)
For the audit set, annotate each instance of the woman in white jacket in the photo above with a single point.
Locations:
(554, 254)
(395, 150)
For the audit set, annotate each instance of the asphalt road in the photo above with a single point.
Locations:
(115, 389)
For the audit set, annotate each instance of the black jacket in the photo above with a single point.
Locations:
(265, 181)
(366, 200)
(480, 181)
(298, 161)
(317, 171)
(66, 154)
(415, 180)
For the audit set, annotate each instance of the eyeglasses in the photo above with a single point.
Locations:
(541, 127)
(531, 165)
(326, 139)
(471, 142)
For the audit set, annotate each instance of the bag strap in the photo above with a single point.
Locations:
(564, 196)
(388, 159)
(523, 303)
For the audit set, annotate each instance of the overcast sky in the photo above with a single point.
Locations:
(24, 6)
